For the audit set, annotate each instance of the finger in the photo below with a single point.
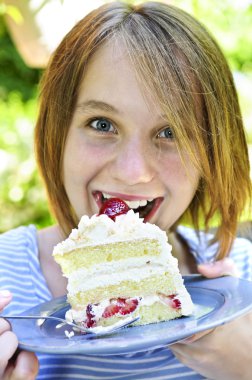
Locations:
(8, 344)
(26, 366)
(5, 298)
(4, 325)
(224, 267)
(8, 372)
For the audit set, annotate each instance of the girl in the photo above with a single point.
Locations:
(138, 103)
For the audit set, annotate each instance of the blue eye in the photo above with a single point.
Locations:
(102, 125)
(167, 133)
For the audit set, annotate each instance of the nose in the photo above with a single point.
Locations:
(133, 163)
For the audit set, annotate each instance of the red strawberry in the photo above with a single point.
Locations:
(111, 310)
(129, 306)
(90, 321)
(171, 300)
(175, 302)
(113, 207)
(121, 306)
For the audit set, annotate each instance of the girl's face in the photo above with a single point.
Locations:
(119, 145)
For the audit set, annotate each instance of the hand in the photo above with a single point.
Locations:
(223, 353)
(25, 365)
(219, 268)
(220, 354)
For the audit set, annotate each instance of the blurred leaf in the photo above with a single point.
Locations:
(14, 13)
(22, 197)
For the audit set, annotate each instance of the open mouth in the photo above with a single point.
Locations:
(145, 208)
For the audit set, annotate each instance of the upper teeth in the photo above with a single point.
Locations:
(131, 204)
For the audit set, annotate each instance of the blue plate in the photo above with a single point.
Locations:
(216, 301)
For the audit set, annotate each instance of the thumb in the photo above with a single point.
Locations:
(5, 298)
(224, 267)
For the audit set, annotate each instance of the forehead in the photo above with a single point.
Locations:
(126, 74)
(111, 77)
(107, 62)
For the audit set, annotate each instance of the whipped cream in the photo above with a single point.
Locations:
(132, 269)
(100, 229)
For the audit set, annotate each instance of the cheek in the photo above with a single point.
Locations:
(82, 161)
(180, 177)
(181, 184)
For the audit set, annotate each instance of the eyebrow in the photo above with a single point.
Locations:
(96, 105)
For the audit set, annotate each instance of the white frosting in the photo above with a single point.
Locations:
(80, 315)
(103, 230)
(133, 269)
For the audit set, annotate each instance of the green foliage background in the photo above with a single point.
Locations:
(22, 198)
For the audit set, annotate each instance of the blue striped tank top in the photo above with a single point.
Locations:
(20, 273)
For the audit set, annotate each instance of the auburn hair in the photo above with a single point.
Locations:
(179, 62)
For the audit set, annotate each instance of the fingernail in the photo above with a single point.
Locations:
(5, 293)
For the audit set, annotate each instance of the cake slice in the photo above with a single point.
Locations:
(117, 266)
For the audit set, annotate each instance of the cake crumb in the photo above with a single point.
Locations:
(68, 334)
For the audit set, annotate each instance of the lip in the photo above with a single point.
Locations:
(157, 201)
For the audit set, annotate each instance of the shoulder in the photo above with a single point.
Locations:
(18, 237)
(47, 238)
(20, 270)
(18, 247)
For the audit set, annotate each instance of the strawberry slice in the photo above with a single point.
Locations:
(90, 320)
(174, 302)
(130, 305)
(121, 306)
(113, 207)
(171, 300)
(111, 310)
